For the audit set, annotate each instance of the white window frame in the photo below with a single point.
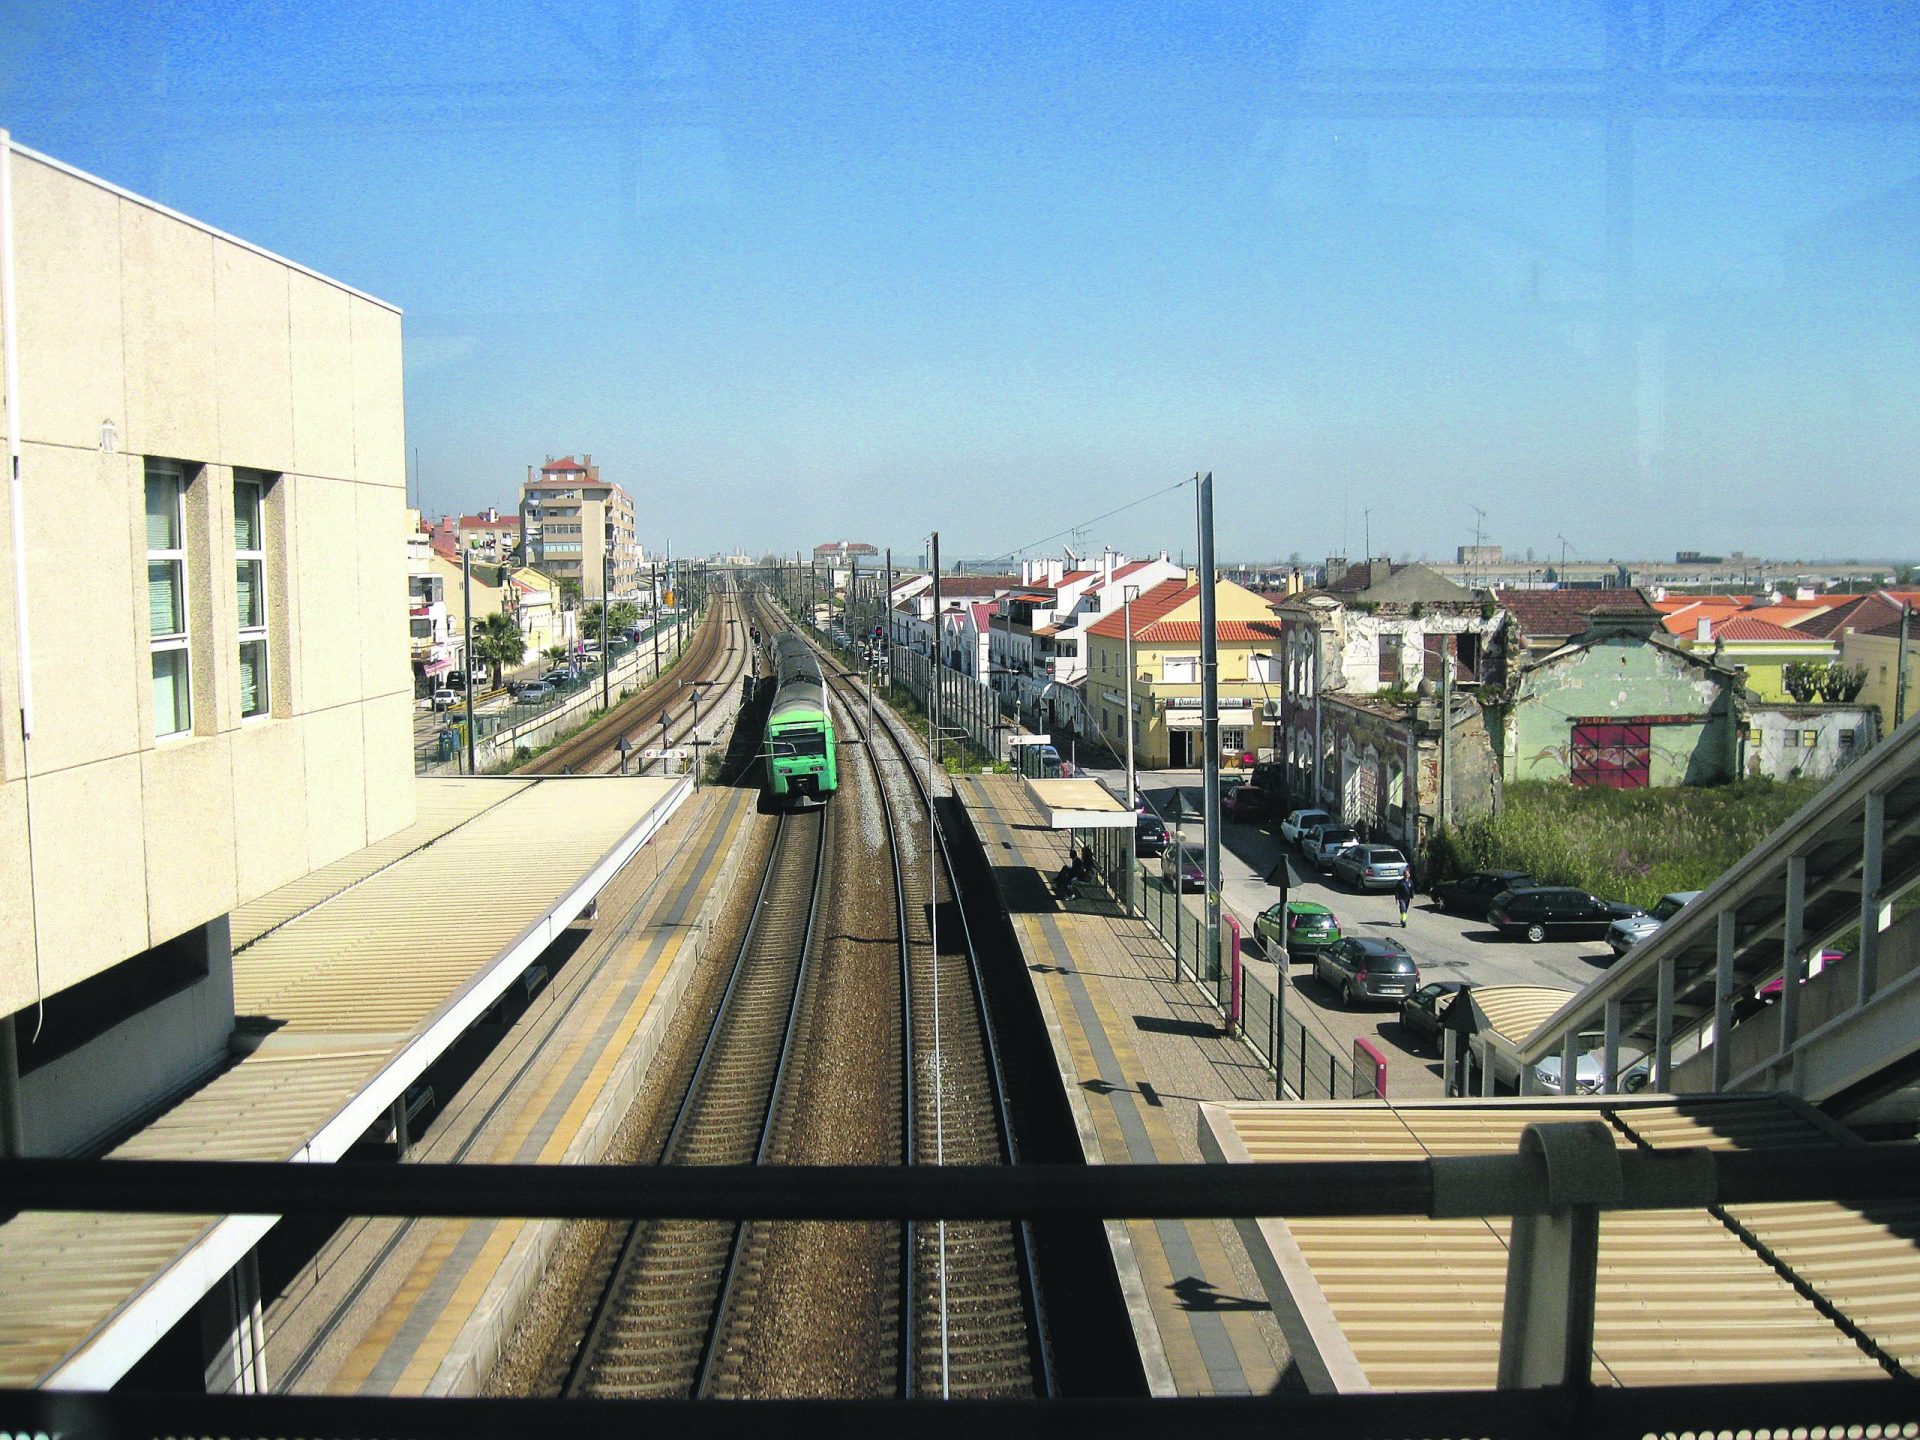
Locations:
(258, 483)
(179, 641)
(1170, 664)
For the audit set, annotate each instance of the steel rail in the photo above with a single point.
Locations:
(699, 1084)
(1041, 1349)
(909, 1137)
(1026, 1269)
(703, 1377)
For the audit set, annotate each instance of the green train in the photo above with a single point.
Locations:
(801, 766)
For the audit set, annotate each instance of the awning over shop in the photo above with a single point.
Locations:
(1239, 717)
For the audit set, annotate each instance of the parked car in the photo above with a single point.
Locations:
(1623, 935)
(1420, 1012)
(443, 699)
(1634, 1077)
(1149, 836)
(1770, 992)
(1293, 829)
(1245, 803)
(537, 693)
(1370, 867)
(1367, 967)
(1302, 931)
(1554, 912)
(1184, 867)
(1470, 895)
(1323, 842)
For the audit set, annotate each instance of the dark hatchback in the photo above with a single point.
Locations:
(1366, 967)
(1420, 1012)
(1149, 836)
(1554, 912)
(1472, 894)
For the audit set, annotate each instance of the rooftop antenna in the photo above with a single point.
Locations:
(1478, 516)
(1366, 534)
(1563, 559)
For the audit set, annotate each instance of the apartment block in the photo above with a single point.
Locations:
(575, 527)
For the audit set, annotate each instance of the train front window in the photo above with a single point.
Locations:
(804, 744)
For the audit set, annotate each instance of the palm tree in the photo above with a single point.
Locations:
(556, 653)
(497, 641)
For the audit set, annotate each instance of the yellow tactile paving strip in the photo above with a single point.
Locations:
(1213, 1339)
(1681, 1297)
(404, 1351)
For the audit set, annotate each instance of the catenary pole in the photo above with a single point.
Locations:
(466, 604)
(933, 675)
(1209, 726)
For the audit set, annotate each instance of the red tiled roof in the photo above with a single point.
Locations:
(480, 522)
(1752, 627)
(1564, 612)
(1853, 612)
(1187, 632)
(1076, 575)
(1147, 608)
(955, 587)
(565, 462)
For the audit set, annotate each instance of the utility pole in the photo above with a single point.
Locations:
(1128, 592)
(1446, 742)
(653, 619)
(466, 604)
(886, 635)
(606, 609)
(933, 676)
(1900, 669)
(1209, 724)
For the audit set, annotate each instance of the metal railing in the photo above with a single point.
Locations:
(1557, 1186)
(1254, 1009)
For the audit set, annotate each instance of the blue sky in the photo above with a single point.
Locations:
(803, 272)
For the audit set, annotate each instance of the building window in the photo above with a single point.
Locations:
(1260, 669)
(1180, 669)
(250, 588)
(1791, 739)
(1809, 738)
(167, 597)
(1847, 739)
(1389, 659)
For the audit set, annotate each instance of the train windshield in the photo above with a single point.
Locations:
(801, 743)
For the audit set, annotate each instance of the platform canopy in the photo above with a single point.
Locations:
(1079, 805)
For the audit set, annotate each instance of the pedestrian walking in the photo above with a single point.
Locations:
(1403, 892)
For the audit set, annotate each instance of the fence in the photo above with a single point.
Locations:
(1251, 1004)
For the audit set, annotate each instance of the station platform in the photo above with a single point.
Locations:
(348, 984)
(1137, 1055)
(434, 1319)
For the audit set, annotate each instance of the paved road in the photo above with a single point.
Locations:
(1445, 947)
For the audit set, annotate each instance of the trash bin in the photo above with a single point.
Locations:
(449, 743)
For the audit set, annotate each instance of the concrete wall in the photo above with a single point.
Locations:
(143, 333)
(1621, 677)
(1778, 747)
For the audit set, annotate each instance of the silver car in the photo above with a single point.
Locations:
(1370, 867)
(1623, 935)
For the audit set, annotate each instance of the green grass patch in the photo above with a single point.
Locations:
(1632, 845)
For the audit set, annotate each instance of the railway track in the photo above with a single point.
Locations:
(977, 1330)
(662, 1309)
(706, 657)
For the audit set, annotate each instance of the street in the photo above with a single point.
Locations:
(1446, 947)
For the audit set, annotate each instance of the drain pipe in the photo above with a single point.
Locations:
(12, 1133)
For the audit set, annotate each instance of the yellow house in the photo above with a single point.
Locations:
(1165, 678)
(1759, 649)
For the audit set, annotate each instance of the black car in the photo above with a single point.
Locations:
(1420, 1012)
(1554, 912)
(1367, 967)
(1149, 836)
(1471, 894)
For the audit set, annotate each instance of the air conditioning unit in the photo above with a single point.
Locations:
(1269, 709)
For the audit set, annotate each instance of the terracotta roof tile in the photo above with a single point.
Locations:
(1752, 627)
(1147, 608)
(1564, 612)
(1187, 632)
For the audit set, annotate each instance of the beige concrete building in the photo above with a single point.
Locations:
(218, 420)
(573, 522)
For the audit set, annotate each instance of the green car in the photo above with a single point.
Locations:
(1310, 928)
